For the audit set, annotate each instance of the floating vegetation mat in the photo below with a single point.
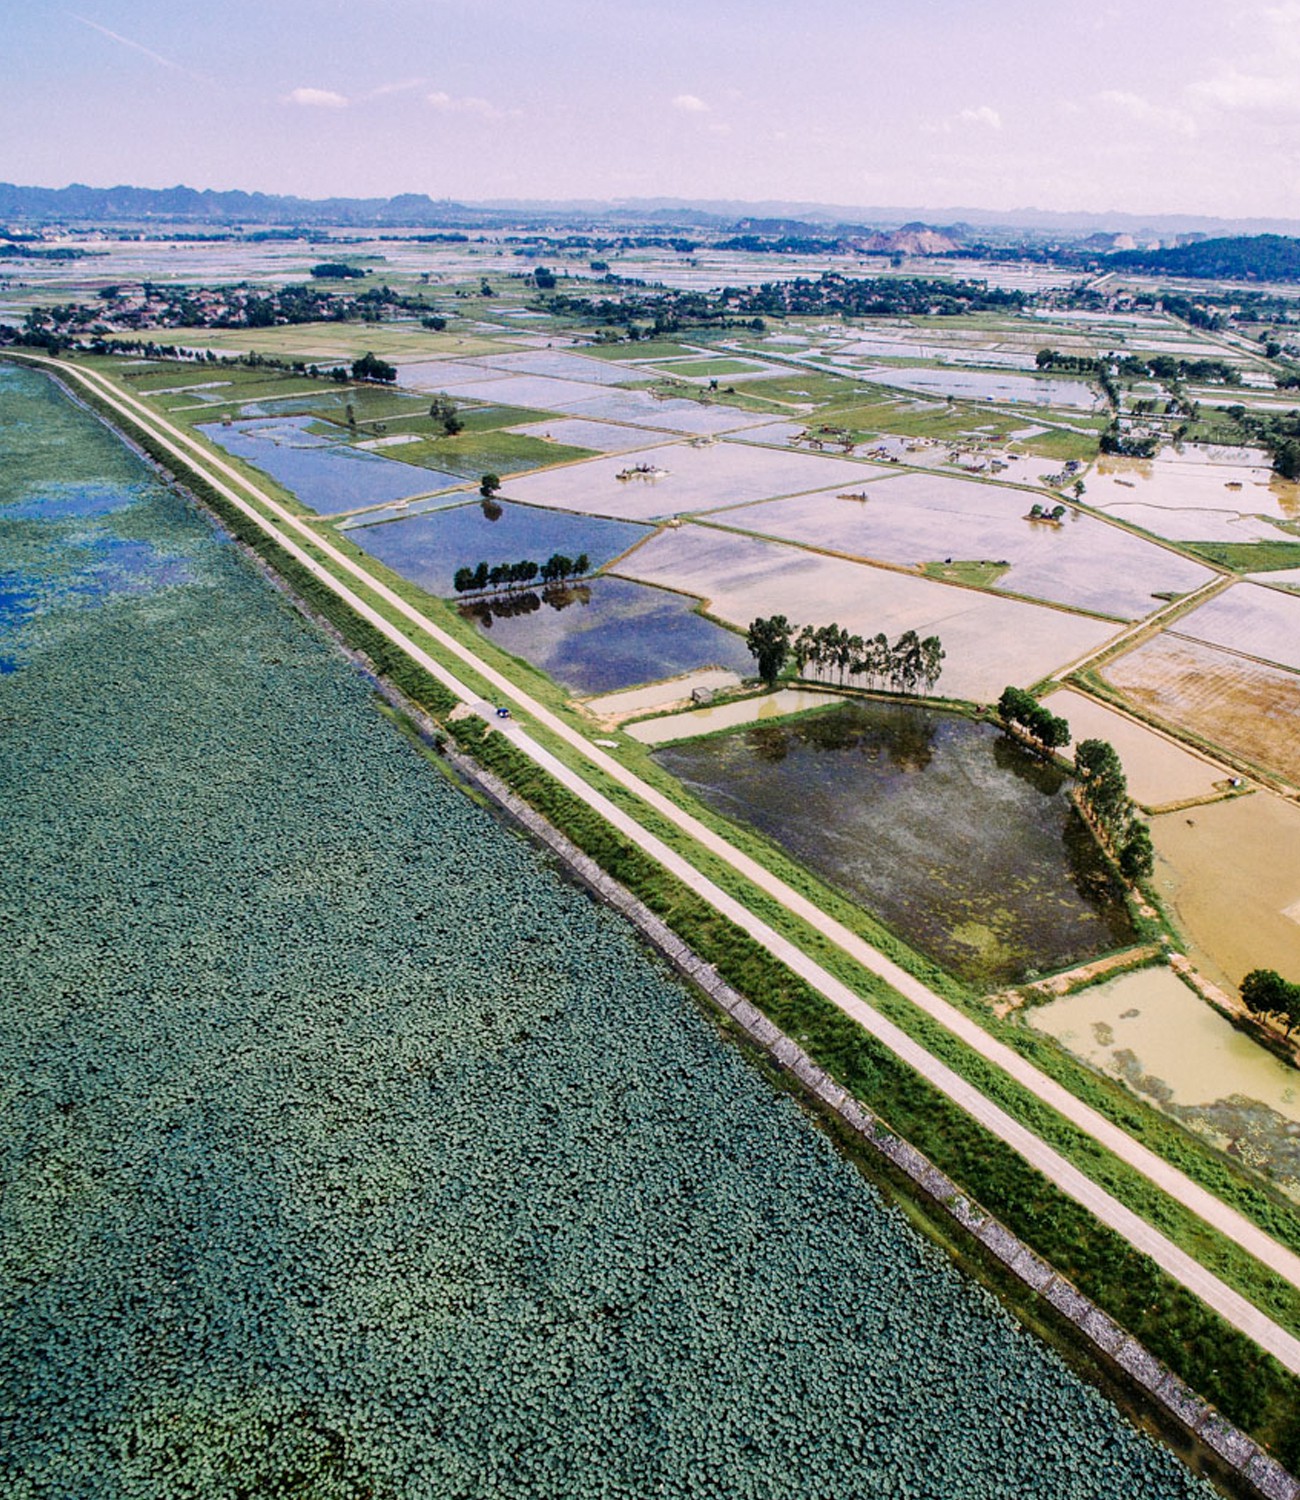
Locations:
(348, 1151)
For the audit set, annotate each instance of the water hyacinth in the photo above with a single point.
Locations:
(349, 1151)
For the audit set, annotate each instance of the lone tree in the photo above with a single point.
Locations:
(370, 368)
(488, 485)
(769, 644)
(443, 409)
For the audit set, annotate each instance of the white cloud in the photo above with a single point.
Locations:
(1146, 112)
(984, 115)
(317, 99)
(1235, 90)
(690, 104)
(469, 105)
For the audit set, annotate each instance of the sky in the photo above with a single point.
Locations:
(1164, 106)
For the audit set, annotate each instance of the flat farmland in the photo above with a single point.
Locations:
(1186, 484)
(556, 365)
(1159, 771)
(1194, 525)
(671, 413)
(911, 519)
(1231, 872)
(427, 375)
(326, 342)
(1248, 708)
(989, 641)
(1252, 619)
(600, 437)
(691, 479)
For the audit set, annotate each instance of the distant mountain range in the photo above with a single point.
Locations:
(117, 205)
(909, 231)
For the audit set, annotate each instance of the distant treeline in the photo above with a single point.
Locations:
(668, 310)
(1129, 366)
(871, 296)
(1244, 257)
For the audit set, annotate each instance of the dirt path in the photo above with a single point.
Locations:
(1214, 1292)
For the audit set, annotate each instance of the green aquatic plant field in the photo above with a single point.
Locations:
(349, 1151)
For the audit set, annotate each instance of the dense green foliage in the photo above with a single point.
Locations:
(556, 569)
(768, 641)
(1016, 706)
(1241, 257)
(370, 368)
(1213, 1358)
(349, 1152)
(337, 270)
(1265, 993)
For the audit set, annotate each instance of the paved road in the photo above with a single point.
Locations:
(1230, 1304)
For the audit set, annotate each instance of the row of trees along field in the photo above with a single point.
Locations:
(556, 569)
(1102, 785)
(827, 649)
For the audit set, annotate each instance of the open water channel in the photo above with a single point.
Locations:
(350, 1151)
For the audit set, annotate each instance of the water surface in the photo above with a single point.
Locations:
(326, 476)
(955, 837)
(429, 547)
(610, 634)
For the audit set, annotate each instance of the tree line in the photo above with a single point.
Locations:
(556, 569)
(773, 641)
(1102, 785)
(1130, 367)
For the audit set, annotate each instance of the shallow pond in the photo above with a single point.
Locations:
(414, 1176)
(956, 838)
(1179, 1053)
(329, 477)
(429, 547)
(610, 634)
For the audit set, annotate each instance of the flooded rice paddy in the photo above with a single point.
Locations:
(698, 721)
(957, 839)
(579, 432)
(990, 641)
(349, 1151)
(1252, 619)
(977, 385)
(684, 478)
(1195, 496)
(1230, 875)
(1180, 1054)
(912, 519)
(328, 477)
(609, 634)
(429, 547)
(1159, 771)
